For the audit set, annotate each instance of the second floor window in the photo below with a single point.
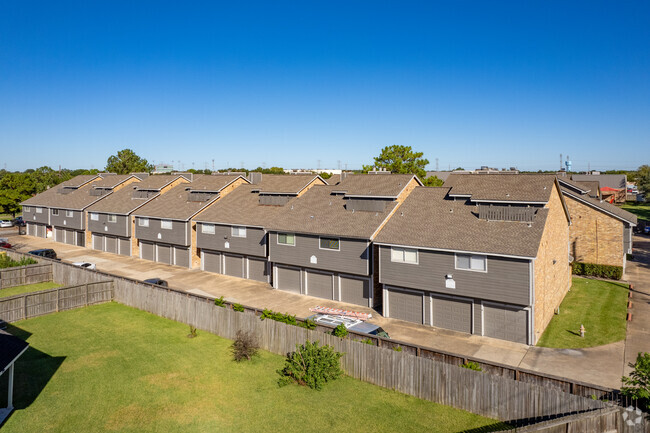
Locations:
(112, 218)
(143, 222)
(55, 212)
(329, 244)
(471, 262)
(207, 229)
(239, 232)
(39, 210)
(286, 239)
(69, 213)
(404, 255)
(94, 216)
(166, 224)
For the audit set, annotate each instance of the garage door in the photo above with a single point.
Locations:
(257, 270)
(234, 266)
(455, 314)
(70, 237)
(319, 285)
(41, 231)
(505, 322)
(164, 254)
(288, 279)
(59, 235)
(146, 251)
(125, 246)
(355, 291)
(211, 262)
(81, 239)
(405, 306)
(110, 244)
(182, 257)
(97, 242)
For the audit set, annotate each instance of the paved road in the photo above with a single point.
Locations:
(600, 365)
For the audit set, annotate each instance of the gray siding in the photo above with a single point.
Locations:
(352, 258)
(164, 254)
(254, 244)
(73, 222)
(110, 243)
(506, 279)
(176, 236)
(505, 323)
(34, 217)
(454, 314)
(120, 228)
(627, 239)
(405, 305)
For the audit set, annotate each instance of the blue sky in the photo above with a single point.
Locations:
(294, 83)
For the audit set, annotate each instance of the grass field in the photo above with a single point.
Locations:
(19, 290)
(114, 368)
(600, 306)
(641, 210)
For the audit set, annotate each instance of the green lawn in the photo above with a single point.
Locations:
(601, 306)
(19, 290)
(114, 368)
(641, 210)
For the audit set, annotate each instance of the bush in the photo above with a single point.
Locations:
(397, 348)
(308, 324)
(192, 333)
(369, 341)
(279, 317)
(238, 307)
(471, 365)
(637, 385)
(245, 346)
(219, 302)
(311, 365)
(594, 270)
(340, 331)
(8, 262)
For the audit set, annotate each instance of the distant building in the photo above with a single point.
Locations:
(163, 169)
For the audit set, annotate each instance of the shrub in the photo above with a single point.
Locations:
(219, 302)
(397, 348)
(340, 331)
(245, 346)
(8, 262)
(308, 324)
(471, 365)
(238, 307)
(192, 333)
(311, 365)
(637, 385)
(369, 341)
(279, 317)
(594, 270)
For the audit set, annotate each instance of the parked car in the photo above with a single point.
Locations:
(6, 223)
(350, 323)
(19, 222)
(85, 265)
(156, 281)
(4, 244)
(48, 253)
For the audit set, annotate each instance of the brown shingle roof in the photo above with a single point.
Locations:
(530, 188)
(318, 211)
(374, 185)
(428, 219)
(51, 196)
(288, 184)
(174, 204)
(156, 182)
(78, 181)
(609, 208)
(112, 181)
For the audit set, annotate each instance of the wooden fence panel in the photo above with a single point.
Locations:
(22, 275)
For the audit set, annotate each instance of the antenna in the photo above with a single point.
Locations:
(561, 162)
(212, 164)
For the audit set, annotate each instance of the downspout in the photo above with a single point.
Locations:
(531, 337)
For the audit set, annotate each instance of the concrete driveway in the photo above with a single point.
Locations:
(600, 366)
(638, 330)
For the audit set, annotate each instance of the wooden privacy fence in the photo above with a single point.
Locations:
(21, 275)
(35, 304)
(477, 392)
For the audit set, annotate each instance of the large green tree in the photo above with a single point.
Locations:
(126, 161)
(403, 159)
(17, 187)
(643, 180)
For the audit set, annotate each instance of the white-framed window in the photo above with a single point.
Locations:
(143, 222)
(471, 262)
(111, 218)
(238, 232)
(329, 244)
(94, 216)
(27, 209)
(404, 255)
(39, 210)
(166, 224)
(69, 214)
(207, 229)
(55, 212)
(286, 239)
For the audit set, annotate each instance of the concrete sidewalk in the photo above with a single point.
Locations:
(599, 366)
(638, 330)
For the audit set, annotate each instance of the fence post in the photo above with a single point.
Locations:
(25, 307)
(57, 299)
(86, 293)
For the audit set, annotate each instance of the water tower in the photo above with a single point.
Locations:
(568, 164)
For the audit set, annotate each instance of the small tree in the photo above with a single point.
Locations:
(245, 346)
(126, 161)
(637, 386)
(643, 180)
(404, 160)
(311, 365)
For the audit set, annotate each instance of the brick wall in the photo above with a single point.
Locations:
(595, 236)
(552, 271)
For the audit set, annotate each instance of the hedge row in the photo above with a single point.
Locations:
(594, 270)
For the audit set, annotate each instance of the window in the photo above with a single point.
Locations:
(207, 228)
(55, 212)
(27, 209)
(94, 216)
(39, 210)
(286, 239)
(143, 222)
(329, 244)
(112, 218)
(471, 262)
(404, 255)
(239, 232)
(166, 224)
(69, 214)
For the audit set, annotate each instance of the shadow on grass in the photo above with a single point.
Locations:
(577, 334)
(490, 428)
(32, 372)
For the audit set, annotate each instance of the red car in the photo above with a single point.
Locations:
(4, 244)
